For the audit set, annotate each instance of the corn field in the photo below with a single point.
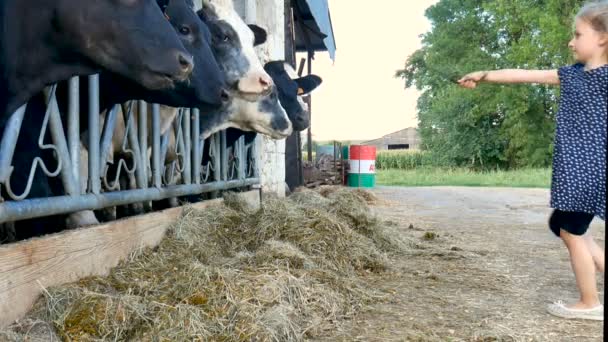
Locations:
(405, 160)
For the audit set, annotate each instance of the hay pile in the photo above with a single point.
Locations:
(288, 271)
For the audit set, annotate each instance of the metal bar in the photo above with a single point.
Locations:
(164, 146)
(309, 102)
(58, 135)
(217, 156)
(9, 141)
(241, 155)
(224, 156)
(142, 129)
(129, 120)
(254, 156)
(94, 170)
(188, 146)
(31, 208)
(196, 146)
(180, 144)
(107, 134)
(74, 129)
(156, 169)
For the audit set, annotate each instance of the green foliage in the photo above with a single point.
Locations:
(492, 125)
(434, 176)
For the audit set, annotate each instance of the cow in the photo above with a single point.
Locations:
(246, 76)
(43, 42)
(233, 47)
(153, 57)
(289, 91)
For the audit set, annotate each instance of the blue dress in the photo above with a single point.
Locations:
(579, 162)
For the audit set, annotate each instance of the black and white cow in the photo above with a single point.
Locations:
(245, 75)
(205, 86)
(289, 91)
(233, 47)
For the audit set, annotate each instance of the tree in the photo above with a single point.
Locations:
(494, 125)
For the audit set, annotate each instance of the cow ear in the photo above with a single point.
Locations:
(308, 83)
(259, 34)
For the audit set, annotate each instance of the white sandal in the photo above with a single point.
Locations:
(559, 309)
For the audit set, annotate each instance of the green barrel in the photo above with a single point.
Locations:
(362, 166)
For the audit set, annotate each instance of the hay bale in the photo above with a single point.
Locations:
(288, 271)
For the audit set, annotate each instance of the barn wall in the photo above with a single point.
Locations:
(408, 136)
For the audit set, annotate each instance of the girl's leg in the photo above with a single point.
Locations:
(584, 270)
(596, 251)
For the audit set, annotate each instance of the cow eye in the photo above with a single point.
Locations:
(185, 30)
(226, 39)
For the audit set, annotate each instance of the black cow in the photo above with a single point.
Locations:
(290, 87)
(203, 87)
(43, 42)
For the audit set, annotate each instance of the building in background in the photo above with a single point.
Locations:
(405, 139)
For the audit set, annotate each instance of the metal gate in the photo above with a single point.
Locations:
(226, 167)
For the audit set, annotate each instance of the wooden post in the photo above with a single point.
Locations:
(294, 175)
(309, 101)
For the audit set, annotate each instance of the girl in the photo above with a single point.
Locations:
(578, 185)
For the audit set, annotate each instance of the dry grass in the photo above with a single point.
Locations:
(288, 271)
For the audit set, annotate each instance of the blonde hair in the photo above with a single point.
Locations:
(596, 14)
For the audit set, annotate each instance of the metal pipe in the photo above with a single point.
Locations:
(58, 135)
(187, 147)
(241, 155)
(143, 139)
(196, 147)
(94, 170)
(224, 156)
(164, 146)
(31, 208)
(9, 141)
(107, 134)
(74, 129)
(217, 156)
(156, 169)
(140, 179)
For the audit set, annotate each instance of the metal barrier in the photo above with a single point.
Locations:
(228, 167)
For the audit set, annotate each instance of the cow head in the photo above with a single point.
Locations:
(290, 89)
(129, 37)
(206, 85)
(233, 44)
(264, 116)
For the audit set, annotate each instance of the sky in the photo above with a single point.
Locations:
(360, 99)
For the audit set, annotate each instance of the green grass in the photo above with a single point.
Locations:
(524, 178)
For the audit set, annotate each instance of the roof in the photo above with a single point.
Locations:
(314, 31)
(390, 135)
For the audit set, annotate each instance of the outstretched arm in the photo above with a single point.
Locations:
(510, 76)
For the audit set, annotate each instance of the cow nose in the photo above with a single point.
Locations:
(185, 62)
(224, 95)
(266, 82)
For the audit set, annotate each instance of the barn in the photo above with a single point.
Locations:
(405, 139)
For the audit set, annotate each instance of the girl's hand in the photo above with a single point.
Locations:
(470, 80)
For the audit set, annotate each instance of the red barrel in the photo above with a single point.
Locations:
(362, 166)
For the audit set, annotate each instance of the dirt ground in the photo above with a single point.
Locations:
(483, 267)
